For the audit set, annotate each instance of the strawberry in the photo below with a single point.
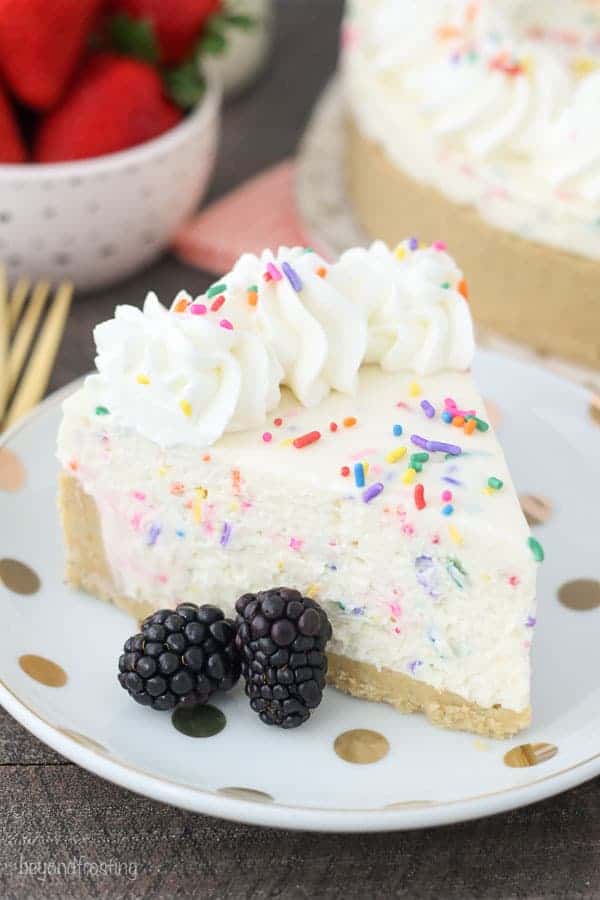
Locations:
(12, 148)
(175, 24)
(41, 43)
(115, 103)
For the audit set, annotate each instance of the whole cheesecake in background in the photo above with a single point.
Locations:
(316, 426)
(481, 121)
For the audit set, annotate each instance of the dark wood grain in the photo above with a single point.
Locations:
(52, 811)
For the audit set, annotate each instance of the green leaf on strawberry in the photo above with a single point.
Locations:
(235, 20)
(185, 84)
(213, 43)
(133, 37)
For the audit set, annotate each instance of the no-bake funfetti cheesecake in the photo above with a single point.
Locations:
(480, 120)
(317, 426)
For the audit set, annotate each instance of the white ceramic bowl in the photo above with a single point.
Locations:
(97, 221)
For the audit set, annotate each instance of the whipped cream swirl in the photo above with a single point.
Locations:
(418, 319)
(493, 103)
(571, 153)
(215, 364)
(182, 379)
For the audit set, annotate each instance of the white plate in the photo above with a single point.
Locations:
(429, 776)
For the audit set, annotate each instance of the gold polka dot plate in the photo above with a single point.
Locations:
(355, 766)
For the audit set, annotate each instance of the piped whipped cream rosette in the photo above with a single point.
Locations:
(181, 378)
(215, 364)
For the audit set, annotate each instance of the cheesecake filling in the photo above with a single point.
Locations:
(440, 588)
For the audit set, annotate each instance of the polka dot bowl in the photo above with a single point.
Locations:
(99, 220)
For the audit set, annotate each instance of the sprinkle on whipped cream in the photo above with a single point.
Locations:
(216, 363)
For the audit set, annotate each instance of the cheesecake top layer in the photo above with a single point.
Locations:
(216, 364)
(495, 104)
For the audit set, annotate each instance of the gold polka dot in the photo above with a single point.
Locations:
(494, 416)
(594, 409)
(43, 670)
(84, 740)
(241, 793)
(581, 594)
(537, 510)
(18, 577)
(12, 471)
(529, 755)
(361, 746)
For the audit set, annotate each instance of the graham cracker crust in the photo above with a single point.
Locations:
(87, 569)
(86, 566)
(408, 695)
(536, 294)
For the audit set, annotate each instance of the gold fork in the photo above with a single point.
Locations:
(24, 375)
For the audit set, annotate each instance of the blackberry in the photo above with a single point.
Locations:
(181, 656)
(281, 637)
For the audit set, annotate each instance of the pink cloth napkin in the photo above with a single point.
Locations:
(261, 213)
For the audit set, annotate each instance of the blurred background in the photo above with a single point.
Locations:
(271, 70)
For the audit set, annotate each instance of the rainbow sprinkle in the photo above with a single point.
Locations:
(102, 411)
(374, 490)
(480, 424)
(428, 409)
(218, 303)
(435, 446)
(306, 439)
(186, 407)
(292, 276)
(419, 496)
(394, 455)
(216, 289)
(198, 309)
(181, 305)
(536, 549)
(397, 430)
(359, 474)
(272, 273)
(225, 534)
(455, 535)
(153, 535)
(496, 484)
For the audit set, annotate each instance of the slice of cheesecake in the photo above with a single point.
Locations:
(236, 442)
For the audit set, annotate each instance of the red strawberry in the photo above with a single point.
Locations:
(41, 42)
(12, 149)
(115, 103)
(177, 23)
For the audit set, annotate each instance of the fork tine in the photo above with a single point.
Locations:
(36, 377)
(25, 333)
(4, 336)
(17, 299)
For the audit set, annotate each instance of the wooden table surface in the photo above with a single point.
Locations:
(52, 811)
